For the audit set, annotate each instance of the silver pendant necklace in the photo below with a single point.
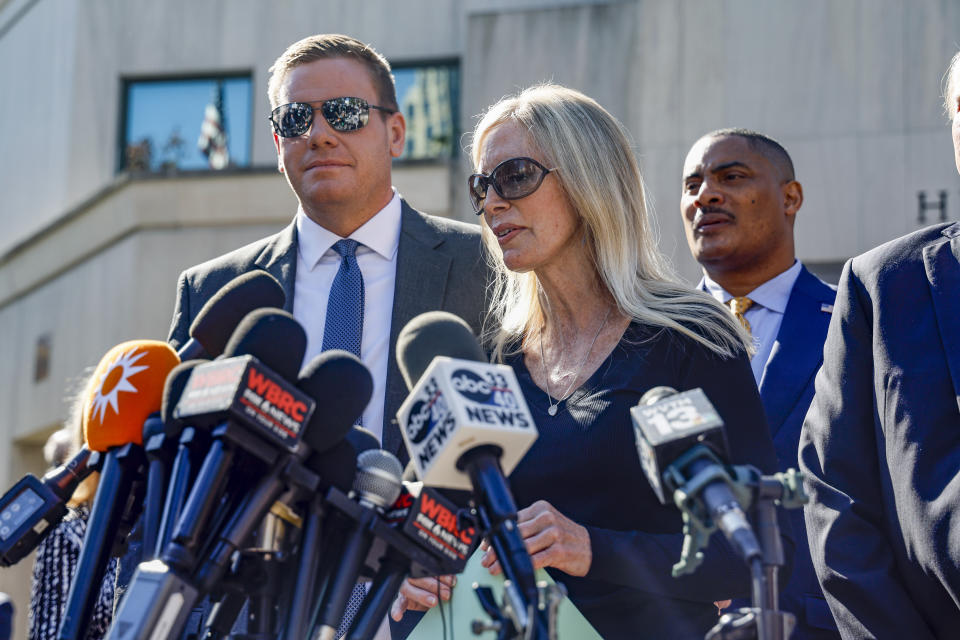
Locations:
(554, 405)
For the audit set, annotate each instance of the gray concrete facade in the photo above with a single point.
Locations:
(89, 257)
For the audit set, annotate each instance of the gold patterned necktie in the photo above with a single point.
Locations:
(739, 306)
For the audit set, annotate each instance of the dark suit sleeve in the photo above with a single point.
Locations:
(180, 325)
(644, 560)
(838, 457)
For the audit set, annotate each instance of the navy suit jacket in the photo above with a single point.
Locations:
(786, 389)
(880, 447)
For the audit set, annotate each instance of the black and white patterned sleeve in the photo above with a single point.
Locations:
(53, 571)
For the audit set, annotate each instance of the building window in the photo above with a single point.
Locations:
(199, 123)
(429, 96)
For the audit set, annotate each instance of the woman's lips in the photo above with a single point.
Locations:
(506, 233)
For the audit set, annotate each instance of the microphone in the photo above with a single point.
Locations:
(430, 521)
(680, 440)
(125, 389)
(337, 380)
(251, 403)
(376, 486)
(163, 592)
(342, 387)
(429, 335)
(458, 403)
(221, 314)
(466, 425)
(157, 447)
(191, 442)
(337, 467)
(33, 507)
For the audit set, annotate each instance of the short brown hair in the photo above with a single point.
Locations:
(334, 45)
(950, 86)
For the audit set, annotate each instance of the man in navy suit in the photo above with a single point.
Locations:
(739, 204)
(880, 448)
(336, 128)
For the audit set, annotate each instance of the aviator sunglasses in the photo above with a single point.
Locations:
(344, 114)
(511, 179)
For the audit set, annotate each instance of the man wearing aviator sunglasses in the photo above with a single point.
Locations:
(357, 260)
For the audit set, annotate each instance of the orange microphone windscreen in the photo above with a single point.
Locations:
(126, 387)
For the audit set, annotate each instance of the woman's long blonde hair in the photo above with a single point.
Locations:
(77, 396)
(601, 177)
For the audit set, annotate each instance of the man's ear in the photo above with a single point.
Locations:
(396, 133)
(792, 197)
(276, 144)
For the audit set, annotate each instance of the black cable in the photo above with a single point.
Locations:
(443, 619)
(451, 613)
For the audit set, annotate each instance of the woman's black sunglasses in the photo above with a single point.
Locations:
(343, 114)
(511, 179)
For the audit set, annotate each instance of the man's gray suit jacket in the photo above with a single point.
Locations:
(439, 267)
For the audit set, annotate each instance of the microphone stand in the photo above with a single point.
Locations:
(497, 517)
(116, 505)
(764, 620)
(257, 579)
(308, 563)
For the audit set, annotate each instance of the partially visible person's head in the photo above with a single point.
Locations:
(739, 202)
(334, 45)
(58, 447)
(336, 129)
(595, 191)
(951, 102)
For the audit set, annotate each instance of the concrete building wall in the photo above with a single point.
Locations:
(850, 88)
(36, 54)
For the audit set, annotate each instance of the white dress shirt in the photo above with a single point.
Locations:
(317, 266)
(765, 315)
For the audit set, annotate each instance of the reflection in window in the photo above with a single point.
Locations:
(186, 124)
(429, 99)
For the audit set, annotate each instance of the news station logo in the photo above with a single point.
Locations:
(436, 524)
(426, 413)
(492, 389)
(420, 422)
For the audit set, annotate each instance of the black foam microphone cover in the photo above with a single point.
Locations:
(275, 337)
(341, 385)
(224, 311)
(172, 390)
(337, 466)
(432, 334)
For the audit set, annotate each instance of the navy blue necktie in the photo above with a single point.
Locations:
(344, 326)
(344, 330)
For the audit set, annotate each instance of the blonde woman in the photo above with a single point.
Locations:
(589, 315)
